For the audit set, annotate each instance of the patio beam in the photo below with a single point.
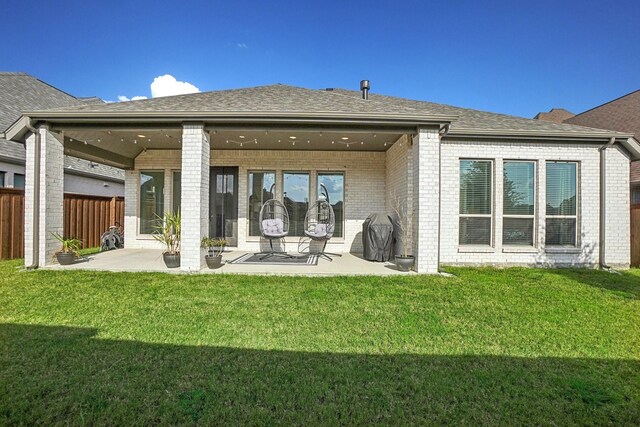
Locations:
(91, 152)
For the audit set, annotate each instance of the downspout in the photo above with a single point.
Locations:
(603, 200)
(36, 198)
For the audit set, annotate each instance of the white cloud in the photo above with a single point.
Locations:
(123, 98)
(167, 85)
(242, 46)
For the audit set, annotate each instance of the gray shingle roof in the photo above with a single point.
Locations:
(470, 119)
(21, 92)
(283, 99)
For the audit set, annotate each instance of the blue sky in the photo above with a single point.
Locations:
(513, 57)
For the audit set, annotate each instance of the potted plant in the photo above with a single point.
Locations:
(70, 250)
(404, 261)
(167, 232)
(215, 247)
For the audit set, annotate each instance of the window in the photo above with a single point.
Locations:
(18, 181)
(176, 188)
(635, 195)
(476, 204)
(518, 197)
(562, 204)
(333, 184)
(2, 175)
(151, 200)
(261, 189)
(296, 200)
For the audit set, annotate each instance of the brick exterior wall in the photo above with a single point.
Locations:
(635, 173)
(399, 181)
(371, 179)
(588, 211)
(364, 182)
(618, 221)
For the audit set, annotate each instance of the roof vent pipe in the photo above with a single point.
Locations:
(364, 87)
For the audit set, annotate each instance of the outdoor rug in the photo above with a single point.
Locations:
(276, 260)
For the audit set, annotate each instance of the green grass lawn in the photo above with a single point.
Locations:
(515, 346)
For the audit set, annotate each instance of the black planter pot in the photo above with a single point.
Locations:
(404, 263)
(171, 260)
(66, 258)
(213, 262)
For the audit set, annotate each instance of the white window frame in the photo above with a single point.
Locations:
(491, 204)
(578, 201)
(535, 204)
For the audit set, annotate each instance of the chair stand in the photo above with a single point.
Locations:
(272, 252)
(326, 255)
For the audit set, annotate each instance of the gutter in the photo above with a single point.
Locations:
(603, 200)
(36, 199)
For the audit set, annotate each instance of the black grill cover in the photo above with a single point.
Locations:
(377, 237)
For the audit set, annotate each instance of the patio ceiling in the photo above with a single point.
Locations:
(119, 147)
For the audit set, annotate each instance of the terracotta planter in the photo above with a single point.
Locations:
(213, 262)
(404, 263)
(66, 258)
(171, 260)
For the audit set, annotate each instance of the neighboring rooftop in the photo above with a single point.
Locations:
(282, 99)
(555, 115)
(20, 92)
(621, 114)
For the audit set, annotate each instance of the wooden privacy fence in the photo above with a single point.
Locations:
(635, 235)
(85, 218)
(11, 223)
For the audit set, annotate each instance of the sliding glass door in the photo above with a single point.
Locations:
(223, 204)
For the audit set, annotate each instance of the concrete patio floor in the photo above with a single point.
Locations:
(151, 260)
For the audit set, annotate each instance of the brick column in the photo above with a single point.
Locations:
(131, 202)
(195, 195)
(426, 200)
(30, 205)
(51, 208)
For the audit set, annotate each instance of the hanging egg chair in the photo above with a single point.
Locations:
(274, 225)
(320, 223)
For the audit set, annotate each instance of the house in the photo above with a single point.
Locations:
(20, 92)
(621, 114)
(483, 188)
(555, 115)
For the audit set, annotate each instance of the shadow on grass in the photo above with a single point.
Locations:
(623, 283)
(63, 375)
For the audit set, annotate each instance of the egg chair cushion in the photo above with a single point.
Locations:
(318, 232)
(273, 228)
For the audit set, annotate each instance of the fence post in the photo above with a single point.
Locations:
(112, 211)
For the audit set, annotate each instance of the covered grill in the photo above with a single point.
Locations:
(377, 237)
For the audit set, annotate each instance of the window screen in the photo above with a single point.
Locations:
(562, 204)
(476, 203)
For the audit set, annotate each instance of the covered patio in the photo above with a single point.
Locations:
(217, 157)
(150, 260)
